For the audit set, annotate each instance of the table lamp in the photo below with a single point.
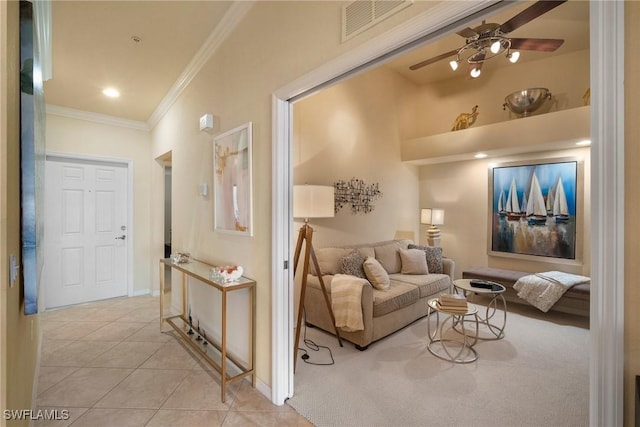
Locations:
(432, 217)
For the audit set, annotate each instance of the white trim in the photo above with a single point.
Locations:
(97, 118)
(607, 210)
(141, 292)
(281, 278)
(228, 23)
(130, 201)
(607, 67)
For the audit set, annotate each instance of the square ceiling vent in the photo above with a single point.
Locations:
(361, 15)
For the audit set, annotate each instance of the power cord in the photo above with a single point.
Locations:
(313, 347)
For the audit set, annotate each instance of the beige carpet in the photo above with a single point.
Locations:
(536, 376)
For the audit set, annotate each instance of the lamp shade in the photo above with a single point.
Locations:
(313, 201)
(433, 216)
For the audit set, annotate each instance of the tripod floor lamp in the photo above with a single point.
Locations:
(310, 201)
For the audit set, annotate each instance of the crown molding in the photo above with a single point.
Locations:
(228, 23)
(97, 118)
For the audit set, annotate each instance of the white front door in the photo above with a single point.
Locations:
(85, 231)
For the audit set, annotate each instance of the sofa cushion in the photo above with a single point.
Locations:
(434, 257)
(329, 260)
(429, 284)
(413, 261)
(352, 264)
(389, 257)
(399, 295)
(376, 274)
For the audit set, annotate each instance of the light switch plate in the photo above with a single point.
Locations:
(13, 270)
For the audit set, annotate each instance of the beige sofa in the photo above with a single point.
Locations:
(384, 311)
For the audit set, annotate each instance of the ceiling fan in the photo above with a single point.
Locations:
(489, 40)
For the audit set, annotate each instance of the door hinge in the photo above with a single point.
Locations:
(286, 265)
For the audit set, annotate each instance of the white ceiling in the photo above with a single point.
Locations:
(93, 49)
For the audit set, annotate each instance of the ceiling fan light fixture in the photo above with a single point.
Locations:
(495, 46)
(454, 64)
(475, 73)
(513, 57)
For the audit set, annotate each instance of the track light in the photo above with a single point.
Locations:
(454, 65)
(474, 73)
(513, 56)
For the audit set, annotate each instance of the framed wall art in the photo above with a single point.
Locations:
(534, 209)
(232, 181)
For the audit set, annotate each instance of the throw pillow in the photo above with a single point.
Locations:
(389, 257)
(434, 257)
(376, 274)
(352, 264)
(413, 261)
(328, 260)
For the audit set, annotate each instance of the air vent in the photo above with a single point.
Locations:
(361, 15)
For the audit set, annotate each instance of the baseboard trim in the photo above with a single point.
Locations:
(141, 292)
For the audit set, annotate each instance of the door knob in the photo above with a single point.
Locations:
(121, 237)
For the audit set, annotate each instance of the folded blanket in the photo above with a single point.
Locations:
(346, 301)
(543, 290)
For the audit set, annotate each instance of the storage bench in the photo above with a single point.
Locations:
(574, 301)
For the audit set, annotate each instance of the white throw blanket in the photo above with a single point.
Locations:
(346, 301)
(543, 290)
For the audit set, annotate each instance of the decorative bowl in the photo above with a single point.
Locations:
(524, 102)
(180, 257)
(229, 273)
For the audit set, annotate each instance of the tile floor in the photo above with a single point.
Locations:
(108, 364)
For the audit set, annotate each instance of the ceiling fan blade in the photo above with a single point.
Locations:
(467, 33)
(434, 59)
(529, 14)
(542, 45)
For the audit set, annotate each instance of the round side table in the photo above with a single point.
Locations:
(495, 326)
(443, 344)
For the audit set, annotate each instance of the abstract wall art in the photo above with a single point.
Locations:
(232, 181)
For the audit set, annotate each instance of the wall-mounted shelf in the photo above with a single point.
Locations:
(550, 131)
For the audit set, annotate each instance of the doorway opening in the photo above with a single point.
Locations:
(607, 229)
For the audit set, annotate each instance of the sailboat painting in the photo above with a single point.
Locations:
(538, 215)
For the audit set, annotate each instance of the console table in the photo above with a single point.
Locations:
(214, 353)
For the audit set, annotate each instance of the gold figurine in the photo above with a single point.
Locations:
(465, 120)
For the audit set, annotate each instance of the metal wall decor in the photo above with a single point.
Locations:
(356, 193)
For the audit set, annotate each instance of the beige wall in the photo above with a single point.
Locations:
(276, 43)
(19, 334)
(81, 137)
(440, 104)
(354, 129)
(632, 207)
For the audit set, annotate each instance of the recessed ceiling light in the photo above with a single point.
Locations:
(584, 142)
(480, 156)
(111, 92)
